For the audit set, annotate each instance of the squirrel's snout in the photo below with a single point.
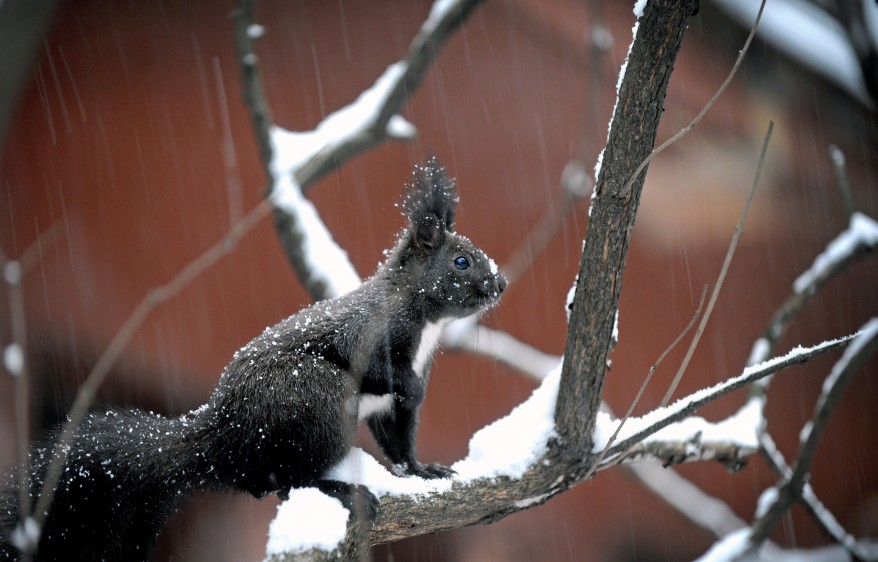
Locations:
(501, 282)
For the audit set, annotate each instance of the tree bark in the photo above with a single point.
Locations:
(633, 128)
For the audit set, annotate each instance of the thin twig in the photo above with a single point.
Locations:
(575, 182)
(536, 241)
(126, 332)
(739, 231)
(685, 130)
(652, 369)
(44, 241)
(777, 326)
(841, 176)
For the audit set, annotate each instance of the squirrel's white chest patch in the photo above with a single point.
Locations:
(429, 341)
(371, 404)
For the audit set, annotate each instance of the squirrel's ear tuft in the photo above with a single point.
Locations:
(430, 199)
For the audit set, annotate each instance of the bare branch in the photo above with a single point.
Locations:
(536, 241)
(16, 363)
(37, 250)
(739, 231)
(615, 201)
(841, 176)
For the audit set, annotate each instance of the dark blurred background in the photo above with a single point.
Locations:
(126, 151)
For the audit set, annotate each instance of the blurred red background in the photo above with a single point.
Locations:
(130, 139)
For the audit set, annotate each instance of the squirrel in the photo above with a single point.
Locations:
(286, 407)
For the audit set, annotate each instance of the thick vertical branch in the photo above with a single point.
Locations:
(632, 136)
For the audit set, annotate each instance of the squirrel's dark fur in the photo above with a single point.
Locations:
(286, 407)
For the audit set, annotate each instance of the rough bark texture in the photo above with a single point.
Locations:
(633, 129)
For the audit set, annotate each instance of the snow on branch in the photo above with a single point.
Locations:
(295, 160)
(775, 501)
(467, 334)
(640, 429)
(729, 441)
(325, 265)
(537, 451)
(309, 520)
(744, 544)
(854, 243)
(374, 116)
(715, 515)
(860, 237)
(859, 549)
(808, 34)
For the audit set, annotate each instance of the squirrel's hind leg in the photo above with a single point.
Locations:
(363, 508)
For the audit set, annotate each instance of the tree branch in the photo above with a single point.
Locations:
(295, 160)
(651, 423)
(785, 494)
(859, 550)
(15, 362)
(650, 61)
(854, 243)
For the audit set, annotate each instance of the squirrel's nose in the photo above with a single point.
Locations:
(501, 282)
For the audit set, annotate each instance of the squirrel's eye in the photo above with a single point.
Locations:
(461, 262)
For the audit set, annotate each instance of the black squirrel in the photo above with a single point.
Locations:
(286, 407)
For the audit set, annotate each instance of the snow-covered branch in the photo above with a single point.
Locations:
(859, 549)
(637, 430)
(808, 34)
(776, 501)
(852, 244)
(467, 334)
(295, 160)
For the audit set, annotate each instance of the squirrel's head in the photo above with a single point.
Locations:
(455, 277)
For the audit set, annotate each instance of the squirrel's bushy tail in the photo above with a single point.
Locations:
(125, 475)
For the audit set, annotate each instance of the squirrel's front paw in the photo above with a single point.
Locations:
(428, 471)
